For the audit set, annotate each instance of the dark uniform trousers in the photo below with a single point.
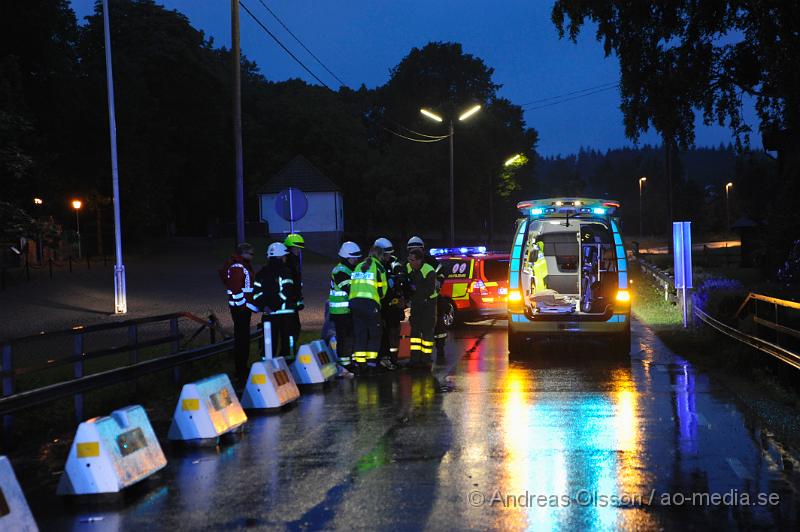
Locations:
(390, 340)
(241, 340)
(367, 327)
(423, 323)
(440, 332)
(344, 336)
(284, 343)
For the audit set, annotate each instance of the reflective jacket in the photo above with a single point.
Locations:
(423, 283)
(368, 281)
(237, 275)
(438, 276)
(275, 291)
(339, 295)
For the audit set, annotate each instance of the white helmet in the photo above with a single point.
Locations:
(415, 242)
(385, 244)
(350, 250)
(277, 249)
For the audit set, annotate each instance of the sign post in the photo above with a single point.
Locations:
(682, 254)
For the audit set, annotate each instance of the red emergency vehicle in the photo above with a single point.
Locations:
(475, 283)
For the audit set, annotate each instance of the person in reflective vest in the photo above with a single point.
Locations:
(367, 290)
(276, 295)
(440, 331)
(237, 275)
(339, 302)
(422, 278)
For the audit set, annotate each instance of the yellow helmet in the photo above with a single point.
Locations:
(294, 240)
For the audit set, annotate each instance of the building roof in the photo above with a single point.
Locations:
(299, 173)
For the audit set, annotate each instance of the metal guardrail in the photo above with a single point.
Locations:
(784, 355)
(660, 278)
(12, 400)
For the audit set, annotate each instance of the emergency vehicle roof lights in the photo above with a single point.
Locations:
(465, 250)
(568, 206)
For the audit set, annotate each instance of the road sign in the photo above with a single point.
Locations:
(682, 254)
(291, 204)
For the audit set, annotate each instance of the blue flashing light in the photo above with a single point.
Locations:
(598, 210)
(537, 212)
(466, 250)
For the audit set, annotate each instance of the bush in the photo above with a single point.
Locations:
(720, 298)
(789, 273)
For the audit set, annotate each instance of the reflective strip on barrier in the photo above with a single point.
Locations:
(315, 363)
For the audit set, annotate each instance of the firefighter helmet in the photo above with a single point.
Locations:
(415, 242)
(295, 240)
(277, 249)
(385, 244)
(350, 250)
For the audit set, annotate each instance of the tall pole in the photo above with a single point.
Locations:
(452, 193)
(120, 290)
(641, 213)
(78, 228)
(237, 120)
(727, 206)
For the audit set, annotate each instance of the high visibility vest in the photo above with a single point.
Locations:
(339, 296)
(368, 281)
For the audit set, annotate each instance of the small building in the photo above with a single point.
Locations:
(323, 224)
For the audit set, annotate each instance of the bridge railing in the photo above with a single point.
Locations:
(11, 368)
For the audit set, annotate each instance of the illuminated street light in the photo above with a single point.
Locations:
(512, 160)
(728, 188)
(469, 112)
(641, 215)
(77, 204)
(38, 201)
(433, 116)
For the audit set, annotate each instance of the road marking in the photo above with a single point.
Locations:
(739, 469)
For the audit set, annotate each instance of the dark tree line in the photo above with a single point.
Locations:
(173, 94)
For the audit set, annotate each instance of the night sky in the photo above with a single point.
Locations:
(360, 40)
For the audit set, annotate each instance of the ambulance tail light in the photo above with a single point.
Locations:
(623, 297)
(514, 300)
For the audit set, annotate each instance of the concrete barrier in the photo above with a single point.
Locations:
(314, 364)
(14, 512)
(270, 385)
(111, 453)
(206, 409)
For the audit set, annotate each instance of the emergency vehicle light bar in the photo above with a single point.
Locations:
(543, 207)
(466, 250)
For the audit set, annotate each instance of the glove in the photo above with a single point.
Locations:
(301, 306)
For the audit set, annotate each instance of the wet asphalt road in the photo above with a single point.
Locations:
(544, 442)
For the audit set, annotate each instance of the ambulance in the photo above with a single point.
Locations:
(568, 274)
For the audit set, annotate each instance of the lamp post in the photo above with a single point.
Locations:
(120, 290)
(77, 204)
(39, 247)
(641, 215)
(728, 188)
(433, 116)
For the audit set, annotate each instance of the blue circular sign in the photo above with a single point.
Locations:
(291, 204)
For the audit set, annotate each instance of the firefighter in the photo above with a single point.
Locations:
(440, 333)
(339, 302)
(276, 294)
(422, 278)
(237, 274)
(295, 243)
(367, 290)
(392, 310)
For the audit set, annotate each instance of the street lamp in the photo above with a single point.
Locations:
(38, 201)
(77, 204)
(513, 160)
(463, 116)
(728, 188)
(641, 215)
